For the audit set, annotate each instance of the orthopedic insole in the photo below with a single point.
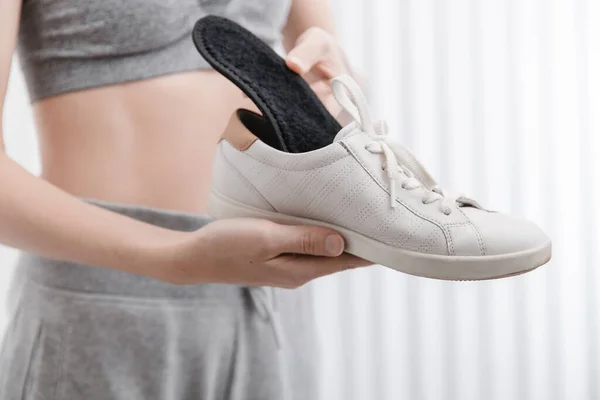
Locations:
(298, 119)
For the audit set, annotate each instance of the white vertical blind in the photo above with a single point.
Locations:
(501, 100)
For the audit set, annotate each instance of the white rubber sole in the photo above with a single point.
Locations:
(460, 268)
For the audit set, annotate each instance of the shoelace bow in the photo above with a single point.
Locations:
(399, 161)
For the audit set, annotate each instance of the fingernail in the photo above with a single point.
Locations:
(296, 61)
(334, 245)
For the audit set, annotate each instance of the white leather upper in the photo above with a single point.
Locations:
(344, 185)
(227, 179)
(328, 185)
(366, 183)
(503, 233)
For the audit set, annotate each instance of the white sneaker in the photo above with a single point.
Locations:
(376, 194)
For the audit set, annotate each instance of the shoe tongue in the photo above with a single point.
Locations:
(300, 121)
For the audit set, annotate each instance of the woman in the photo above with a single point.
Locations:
(133, 295)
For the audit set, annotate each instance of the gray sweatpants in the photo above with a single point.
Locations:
(81, 332)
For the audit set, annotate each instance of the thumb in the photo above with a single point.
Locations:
(311, 240)
(309, 50)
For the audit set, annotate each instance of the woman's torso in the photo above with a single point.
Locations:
(145, 141)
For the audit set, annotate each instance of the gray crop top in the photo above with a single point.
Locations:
(67, 45)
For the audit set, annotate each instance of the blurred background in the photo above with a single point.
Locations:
(501, 100)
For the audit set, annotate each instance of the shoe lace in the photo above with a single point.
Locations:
(399, 163)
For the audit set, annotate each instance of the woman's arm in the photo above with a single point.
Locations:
(38, 217)
(313, 50)
(306, 14)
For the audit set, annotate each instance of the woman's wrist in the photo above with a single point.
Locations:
(150, 252)
(179, 258)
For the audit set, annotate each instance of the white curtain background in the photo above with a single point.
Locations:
(501, 100)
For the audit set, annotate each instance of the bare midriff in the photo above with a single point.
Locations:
(149, 142)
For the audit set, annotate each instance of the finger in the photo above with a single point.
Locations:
(313, 77)
(311, 48)
(305, 268)
(321, 88)
(329, 69)
(309, 240)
